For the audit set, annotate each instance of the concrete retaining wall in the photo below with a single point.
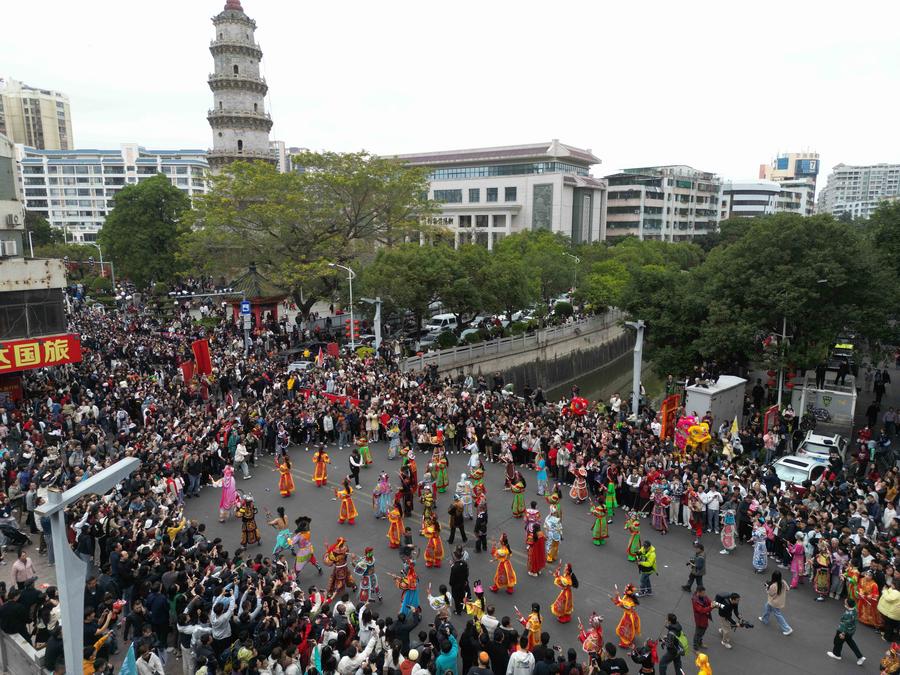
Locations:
(18, 657)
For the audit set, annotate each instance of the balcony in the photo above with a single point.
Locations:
(240, 119)
(232, 81)
(217, 158)
(235, 47)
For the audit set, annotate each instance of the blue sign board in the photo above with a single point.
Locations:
(245, 307)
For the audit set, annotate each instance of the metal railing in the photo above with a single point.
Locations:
(470, 353)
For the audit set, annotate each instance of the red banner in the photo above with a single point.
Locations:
(201, 356)
(53, 350)
(334, 398)
(187, 369)
(770, 418)
(667, 414)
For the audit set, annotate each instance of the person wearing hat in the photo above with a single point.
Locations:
(890, 662)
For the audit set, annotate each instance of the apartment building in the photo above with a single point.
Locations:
(796, 171)
(74, 189)
(856, 191)
(39, 118)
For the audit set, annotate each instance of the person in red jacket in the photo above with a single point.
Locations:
(703, 608)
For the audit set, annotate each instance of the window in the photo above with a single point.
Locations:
(481, 221)
(474, 195)
(254, 108)
(235, 69)
(509, 194)
(491, 194)
(240, 146)
(448, 196)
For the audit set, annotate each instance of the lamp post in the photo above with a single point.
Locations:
(350, 275)
(377, 302)
(574, 270)
(639, 326)
(112, 271)
(71, 571)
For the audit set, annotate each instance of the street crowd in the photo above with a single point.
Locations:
(157, 580)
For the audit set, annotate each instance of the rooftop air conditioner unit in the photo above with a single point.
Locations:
(9, 249)
(13, 219)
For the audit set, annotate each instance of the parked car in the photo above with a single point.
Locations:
(816, 445)
(299, 366)
(441, 322)
(793, 471)
(467, 332)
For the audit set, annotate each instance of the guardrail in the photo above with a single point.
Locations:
(469, 353)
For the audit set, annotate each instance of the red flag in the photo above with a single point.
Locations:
(320, 359)
(201, 356)
(187, 369)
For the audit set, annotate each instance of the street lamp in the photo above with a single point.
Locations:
(71, 571)
(350, 275)
(112, 271)
(639, 326)
(574, 270)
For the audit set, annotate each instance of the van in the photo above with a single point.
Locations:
(441, 322)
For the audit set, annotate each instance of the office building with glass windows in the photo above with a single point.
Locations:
(796, 172)
(74, 189)
(488, 193)
(755, 198)
(670, 203)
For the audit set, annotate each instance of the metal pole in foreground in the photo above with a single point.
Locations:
(639, 326)
(781, 359)
(71, 571)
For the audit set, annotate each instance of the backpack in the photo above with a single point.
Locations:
(682, 644)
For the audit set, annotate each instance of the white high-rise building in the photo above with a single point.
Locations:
(37, 117)
(857, 191)
(239, 121)
(74, 189)
(755, 198)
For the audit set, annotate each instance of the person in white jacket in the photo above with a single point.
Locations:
(521, 661)
(148, 663)
(354, 658)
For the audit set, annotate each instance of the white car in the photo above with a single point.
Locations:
(793, 471)
(816, 445)
(299, 366)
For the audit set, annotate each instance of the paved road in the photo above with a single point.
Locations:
(759, 651)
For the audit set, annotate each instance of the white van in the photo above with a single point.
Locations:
(441, 322)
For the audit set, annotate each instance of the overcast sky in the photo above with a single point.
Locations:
(722, 86)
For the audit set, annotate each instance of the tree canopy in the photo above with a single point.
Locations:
(144, 230)
(42, 232)
(337, 209)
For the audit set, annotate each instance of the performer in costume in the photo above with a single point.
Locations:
(365, 453)
(822, 572)
(407, 487)
(505, 576)
(368, 580)
(479, 491)
(728, 531)
(629, 626)
(382, 496)
(518, 502)
(540, 466)
(280, 523)
(336, 557)
(702, 662)
(464, 490)
(426, 497)
(321, 461)
(760, 555)
(409, 461)
(554, 499)
(439, 464)
(600, 530)
(579, 492)
(249, 532)
(532, 623)
(434, 549)
(868, 601)
(476, 608)
(798, 560)
(408, 583)
(532, 515)
(395, 529)
(633, 526)
(553, 527)
(661, 503)
(592, 638)
(285, 479)
(348, 510)
(851, 577)
(563, 606)
(611, 502)
(511, 471)
(229, 498)
(301, 544)
(536, 544)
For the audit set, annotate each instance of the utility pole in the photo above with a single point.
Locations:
(781, 345)
(377, 302)
(350, 275)
(574, 270)
(639, 326)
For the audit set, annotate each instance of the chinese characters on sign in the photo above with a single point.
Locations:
(53, 350)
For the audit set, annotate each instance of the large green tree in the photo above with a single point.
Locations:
(42, 232)
(545, 256)
(338, 209)
(142, 233)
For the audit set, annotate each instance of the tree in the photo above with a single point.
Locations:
(143, 231)
(293, 224)
(544, 255)
(884, 228)
(509, 284)
(42, 232)
(465, 294)
(408, 277)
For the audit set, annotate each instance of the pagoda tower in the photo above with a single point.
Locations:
(239, 121)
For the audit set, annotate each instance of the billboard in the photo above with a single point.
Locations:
(807, 167)
(50, 350)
